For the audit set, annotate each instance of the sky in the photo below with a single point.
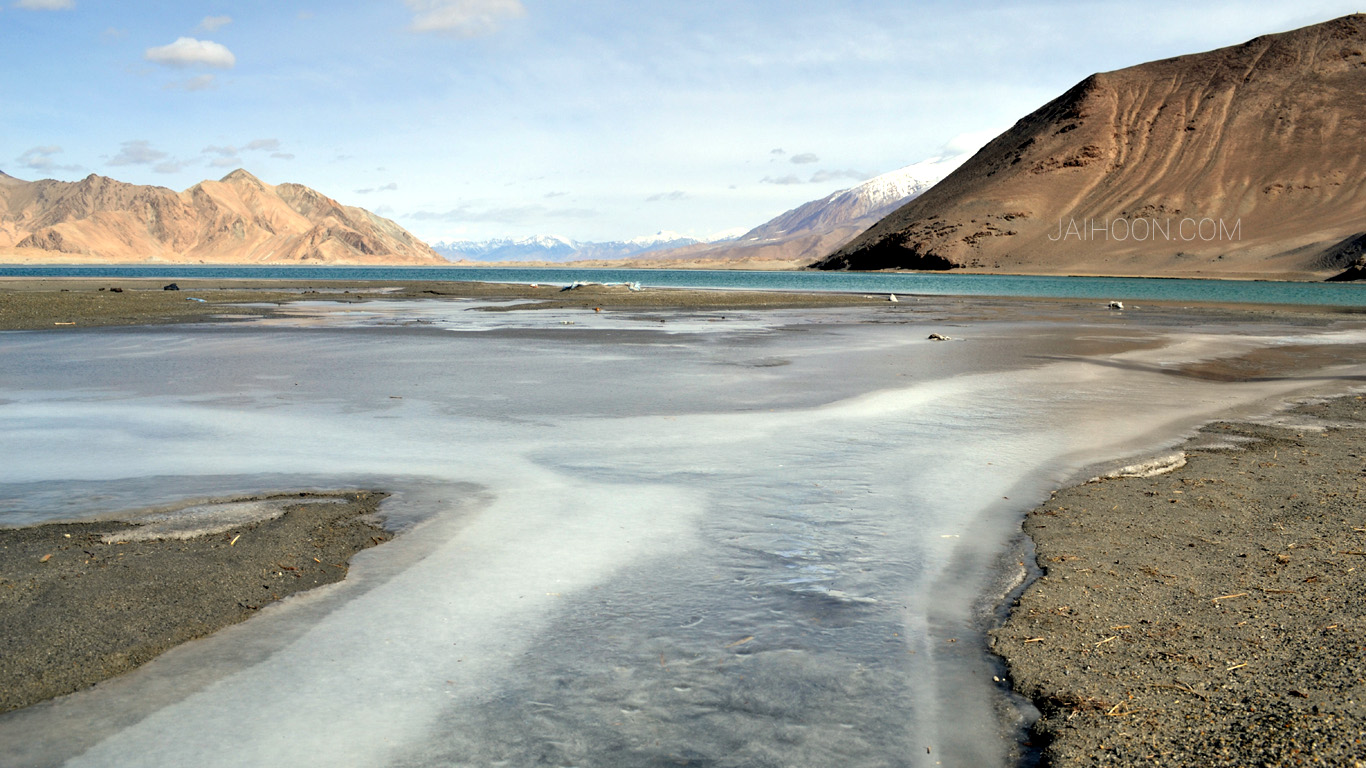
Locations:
(593, 120)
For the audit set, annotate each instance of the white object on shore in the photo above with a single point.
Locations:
(207, 518)
(891, 297)
(1116, 305)
(1158, 465)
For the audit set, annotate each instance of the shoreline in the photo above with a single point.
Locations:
(43, 303)
(1207, 615)
(68, 303)
(88, 601)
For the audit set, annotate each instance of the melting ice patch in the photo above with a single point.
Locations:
(203, 519)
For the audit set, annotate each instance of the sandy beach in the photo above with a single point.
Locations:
(1211, 615)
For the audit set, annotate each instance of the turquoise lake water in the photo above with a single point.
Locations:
(1107, 288)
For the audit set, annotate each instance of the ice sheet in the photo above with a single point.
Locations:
(754, 546)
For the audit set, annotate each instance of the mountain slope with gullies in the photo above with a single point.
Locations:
(238, 219)
(1240, 162)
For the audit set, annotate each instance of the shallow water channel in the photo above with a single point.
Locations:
(709, 539)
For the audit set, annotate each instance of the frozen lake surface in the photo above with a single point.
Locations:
(628, 539)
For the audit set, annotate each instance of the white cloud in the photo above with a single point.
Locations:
(804, 159)
(263, 145)
(818, 177)
(212, 23)
(42, 159)
(463, 18)
(510, 215)
(282, 155)
(677, 194)
(138, 152)
(189, 52)
(45, 5)
(822, 176)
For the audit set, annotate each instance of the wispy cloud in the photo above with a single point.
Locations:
(823, 176)
(196, 83)
(137, 152)
(819, 177)
(141, 152)
(189, 52)
(677, 194)
(229, 156)
(804, 159)
(170, 166)
(525, 214)
(463, 18)
(213, 23)
(43, 159)
(45, 5)
(390, 187)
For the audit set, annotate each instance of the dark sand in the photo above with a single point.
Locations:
(1211, 616)
(77, 611)
(58, 303)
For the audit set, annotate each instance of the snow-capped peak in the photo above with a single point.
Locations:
(904, 182)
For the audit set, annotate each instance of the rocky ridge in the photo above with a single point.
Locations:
(238, 219)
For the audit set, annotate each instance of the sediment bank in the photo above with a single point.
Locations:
(81, 605)
(1213, 615)
(67, 303)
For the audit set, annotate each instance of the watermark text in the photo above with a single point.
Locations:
(1140, 230)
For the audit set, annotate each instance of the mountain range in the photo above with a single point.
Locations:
(794, 238)
(1245, 161)
(238, 219)
(546, 248)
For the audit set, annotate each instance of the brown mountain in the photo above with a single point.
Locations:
(1244, 161)
(236, 220)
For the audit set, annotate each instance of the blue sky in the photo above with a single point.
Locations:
(591, 119)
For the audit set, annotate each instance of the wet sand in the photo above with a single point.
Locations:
(78, 610)
(1213, 615)
(58, 303)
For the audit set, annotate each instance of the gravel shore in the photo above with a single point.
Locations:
(67, 303)
(79, 609)
(1213, 615)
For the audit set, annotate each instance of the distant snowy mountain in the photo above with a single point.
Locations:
(873, 199)
(802, 234)
(812, 230)
(549, 248)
